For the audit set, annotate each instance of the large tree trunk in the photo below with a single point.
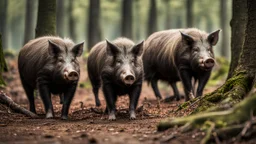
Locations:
(72, 23)
(152, 17)
(189, 14)
(30, 21)
(238, 25)
(3, 22)
(3, 66)
(46, 18)
(234, 89)
(168, 15)
(127, 18)
(94, 30)
(224, 26)
(60, 17)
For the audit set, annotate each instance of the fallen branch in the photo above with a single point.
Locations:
(4, 99)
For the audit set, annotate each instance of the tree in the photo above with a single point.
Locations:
(60, 17)
(3, 22)
(168, 14)
(127, 18)
(235, 88)
(152, 18)
(94, 30)
(30, 20)
(224, 26)
(72, 30)
(46, 18)
(189, 13)
(3, 66)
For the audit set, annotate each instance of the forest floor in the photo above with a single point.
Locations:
(89, 124)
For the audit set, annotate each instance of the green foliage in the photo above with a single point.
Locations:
(3, 66)
(9, 53)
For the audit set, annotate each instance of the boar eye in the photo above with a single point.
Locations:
(60, 59)
(132, 61)
(118, 61)
(196, 49)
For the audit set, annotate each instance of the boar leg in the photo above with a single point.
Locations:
(46, 97)
(110, 98)
(175, 91)
(134, 97)
(96, 95)
(30, 94)
(202, 82)
(186, 80)
(68, 96)
(155, 88)
(61, 98)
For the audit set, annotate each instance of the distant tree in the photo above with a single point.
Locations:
(168, 14)
(3, 22)
(72, 30)
(94, 30)
(127, 18)
(189, 14)
(46, 18)
(60, 17)
(137, 19)
(224, 27)
(30, 21)
(3, 66)
(152, 17)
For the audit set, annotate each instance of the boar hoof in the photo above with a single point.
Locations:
(64, 117)
(132, 116)
(49, 115)
(112, 117)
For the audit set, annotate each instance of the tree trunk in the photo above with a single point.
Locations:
(60, 17)
(72, 23)
(189, 15)
(238, 25)
(46, 18)
(137, 20)
(3, 66)
(152, 17)
(168, 14)
(94, 31)
(3, 22)
(30, 21)
(127, 18)
(224, 26)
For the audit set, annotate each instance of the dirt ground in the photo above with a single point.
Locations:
(88, 124)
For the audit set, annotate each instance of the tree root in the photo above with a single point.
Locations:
(4, 99)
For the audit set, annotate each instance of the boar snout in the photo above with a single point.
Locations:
(71, 75)
(128, 78)
(209, 62)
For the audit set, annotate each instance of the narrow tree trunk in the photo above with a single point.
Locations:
(60, 17)
(46, 18)
(137, 21)
(72, 23)
(238, 25)
(3, 22)
(152, 17)
(168, 14)
(3, 66)
(30, 21)
(127, 18)
(224, 27)
(189, 15)
(94, 31)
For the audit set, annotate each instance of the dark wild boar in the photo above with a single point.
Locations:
(179, 54)
(49, 64)
(118, 67)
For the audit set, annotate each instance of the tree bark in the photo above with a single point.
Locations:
(168, 14)
(189, 14)
(94, 30)
(152, 17)
(127, 18)
(72, 23)
(30, 21)
(3, 22)
(3, 66)
(46, 18)
(224, 26)
(60, 17)
(238, 25)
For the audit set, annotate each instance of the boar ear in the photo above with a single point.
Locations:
(213, 37)
(112, 50)
(138, 49)
(186, 38)
(53, 48)
(78, 49)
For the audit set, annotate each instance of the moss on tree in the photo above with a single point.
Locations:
(3, 66)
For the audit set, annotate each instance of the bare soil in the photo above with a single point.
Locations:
(89, 124)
